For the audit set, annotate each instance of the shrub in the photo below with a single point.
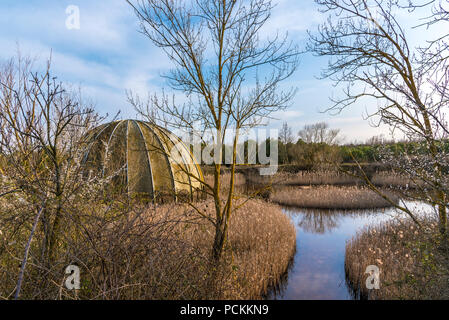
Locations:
(152, 252)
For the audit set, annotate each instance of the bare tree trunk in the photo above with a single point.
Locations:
(25, 255)
(442, 212)
(54, 232)
(441, 195)
(54, 237)
(221, 232)
(219, 238)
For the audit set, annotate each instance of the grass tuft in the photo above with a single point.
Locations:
(413, 263)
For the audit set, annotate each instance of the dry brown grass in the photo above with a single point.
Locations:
(393, 180)
(312, 178)
(413, 263)
(158, 252)
(385, 179)
(263, 241)
(225, 180)
(329, 197)
(246, 186)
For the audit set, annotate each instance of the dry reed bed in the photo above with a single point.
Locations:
(383, 179)
(394, 180)
(262, 242)
(239, 182)
(308, 178)
(413, 262)
(335, 178)
(330, 197)
(157, 252)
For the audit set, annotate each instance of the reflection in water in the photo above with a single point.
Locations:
(318, 268)
(325, 221)
(317, 271)
(318, 222)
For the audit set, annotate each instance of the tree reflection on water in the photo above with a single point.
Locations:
(318, 221)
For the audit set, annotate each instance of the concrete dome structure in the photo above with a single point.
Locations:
(143, 159)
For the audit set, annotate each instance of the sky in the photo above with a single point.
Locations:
(107, 56)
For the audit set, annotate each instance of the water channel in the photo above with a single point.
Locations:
(317, 270)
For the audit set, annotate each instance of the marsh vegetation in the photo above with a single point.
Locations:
(413, 260)
(343, 227)
(152, 252)
(330, 197)
(234, 241)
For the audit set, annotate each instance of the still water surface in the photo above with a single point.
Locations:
(318, 271)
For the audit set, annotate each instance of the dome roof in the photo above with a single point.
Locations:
(143, 158)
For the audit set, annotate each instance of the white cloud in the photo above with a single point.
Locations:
(292, 16)
(108, 55)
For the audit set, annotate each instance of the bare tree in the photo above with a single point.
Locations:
(319, 133)
(42, 139)
(286, 138)
(439, 14)
(285, 134)
(376, 140)
(318, 146)
(369, 52)
(218, 58)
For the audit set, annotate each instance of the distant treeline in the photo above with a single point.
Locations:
(373, 153)
(315, 154)
(323, 155)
